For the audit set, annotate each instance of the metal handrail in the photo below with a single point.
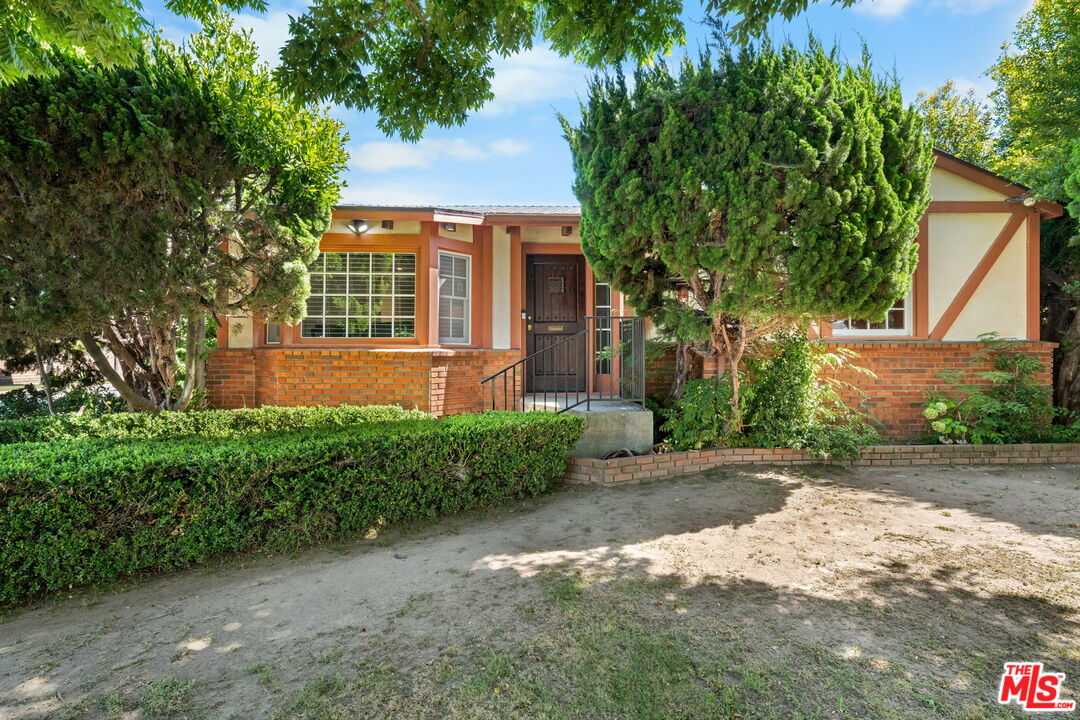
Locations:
(537, 353)
(625, 376)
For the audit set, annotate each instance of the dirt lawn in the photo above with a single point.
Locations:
(765, 593)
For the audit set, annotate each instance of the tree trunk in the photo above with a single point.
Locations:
(135, 401)
(683, 365)
(193, 361)
(45, 383)
(1067, 385)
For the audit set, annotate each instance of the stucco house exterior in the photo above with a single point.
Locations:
(417, 305)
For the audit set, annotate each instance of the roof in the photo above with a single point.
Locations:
(571, 214)
(468, 214)
(993, 181)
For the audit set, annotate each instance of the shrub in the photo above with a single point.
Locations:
(1009, 405)
(787, 402)
(208, 423)
(697, 419)
(30, 401)
(791, 403)
(90, 511)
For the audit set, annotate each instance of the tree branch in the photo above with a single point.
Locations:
(134, 400)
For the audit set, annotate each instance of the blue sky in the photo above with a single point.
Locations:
(512, 152)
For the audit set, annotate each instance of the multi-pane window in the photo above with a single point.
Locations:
(362, 295)
(602, 297)
(453, 298)
(896, 322)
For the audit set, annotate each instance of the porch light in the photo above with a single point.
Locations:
(359, 227)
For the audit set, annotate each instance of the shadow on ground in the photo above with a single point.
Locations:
(763, 593)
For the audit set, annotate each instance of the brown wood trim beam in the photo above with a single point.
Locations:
(1033, 270)
(921, 292)
(977, 276)
(973, 206)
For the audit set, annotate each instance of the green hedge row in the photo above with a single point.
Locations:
(90, 511)
(210, 423)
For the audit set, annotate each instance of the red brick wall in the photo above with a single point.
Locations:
(632, 470)
(438, 381)
(230, 379)
(906, 372)
(456, 376)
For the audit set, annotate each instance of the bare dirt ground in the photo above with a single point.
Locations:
(764, 593)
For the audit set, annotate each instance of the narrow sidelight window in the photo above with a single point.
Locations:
(454, 292)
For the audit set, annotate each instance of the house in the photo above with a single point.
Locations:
(418, 305)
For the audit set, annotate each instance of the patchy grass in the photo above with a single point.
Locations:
(762, 594)
(650, 648)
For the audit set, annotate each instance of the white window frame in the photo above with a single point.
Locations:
(906, 331)
(467, 340)
(393, 295)
(267, 339)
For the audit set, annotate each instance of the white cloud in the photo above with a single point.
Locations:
(883, 8)
(270, 32)
(895, 8)
(981, 87)
(510, 147)
(385, 156)
(536, 75)
(970, 7)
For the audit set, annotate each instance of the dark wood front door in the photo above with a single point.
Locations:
(555, 309)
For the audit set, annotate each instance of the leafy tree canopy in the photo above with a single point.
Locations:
(960, 124)
(414, 62)
(139, 200)
(103, 31)
(1038, 95)
(751, 190)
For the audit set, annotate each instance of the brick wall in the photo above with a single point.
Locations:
(438, 381)
(626, 471)
(906, 372)
(456, 376)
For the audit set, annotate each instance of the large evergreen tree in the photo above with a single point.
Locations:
(749, 191)
(137, 202)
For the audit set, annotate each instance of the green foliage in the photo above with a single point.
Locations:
(791, 403)
(31, 402)
(103, 31)
(205, 423)
(139, 201)
(751, 191)
(1038, 95)
(698, 419)
(421, 63)
(1008, 405)
(946, 421)
(756, 14)
(90, 511)
(959, 124)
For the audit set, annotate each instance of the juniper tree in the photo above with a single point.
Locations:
(749, 191)
(137, 202)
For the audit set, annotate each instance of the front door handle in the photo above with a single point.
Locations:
(528, 326)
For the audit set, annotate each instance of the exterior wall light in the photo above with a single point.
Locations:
(359, 227)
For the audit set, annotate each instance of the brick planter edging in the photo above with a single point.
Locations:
(623, 471)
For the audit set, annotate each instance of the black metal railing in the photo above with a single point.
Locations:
(602, 363)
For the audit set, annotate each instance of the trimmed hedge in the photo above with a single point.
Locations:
(208, 423)
(90, 511)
